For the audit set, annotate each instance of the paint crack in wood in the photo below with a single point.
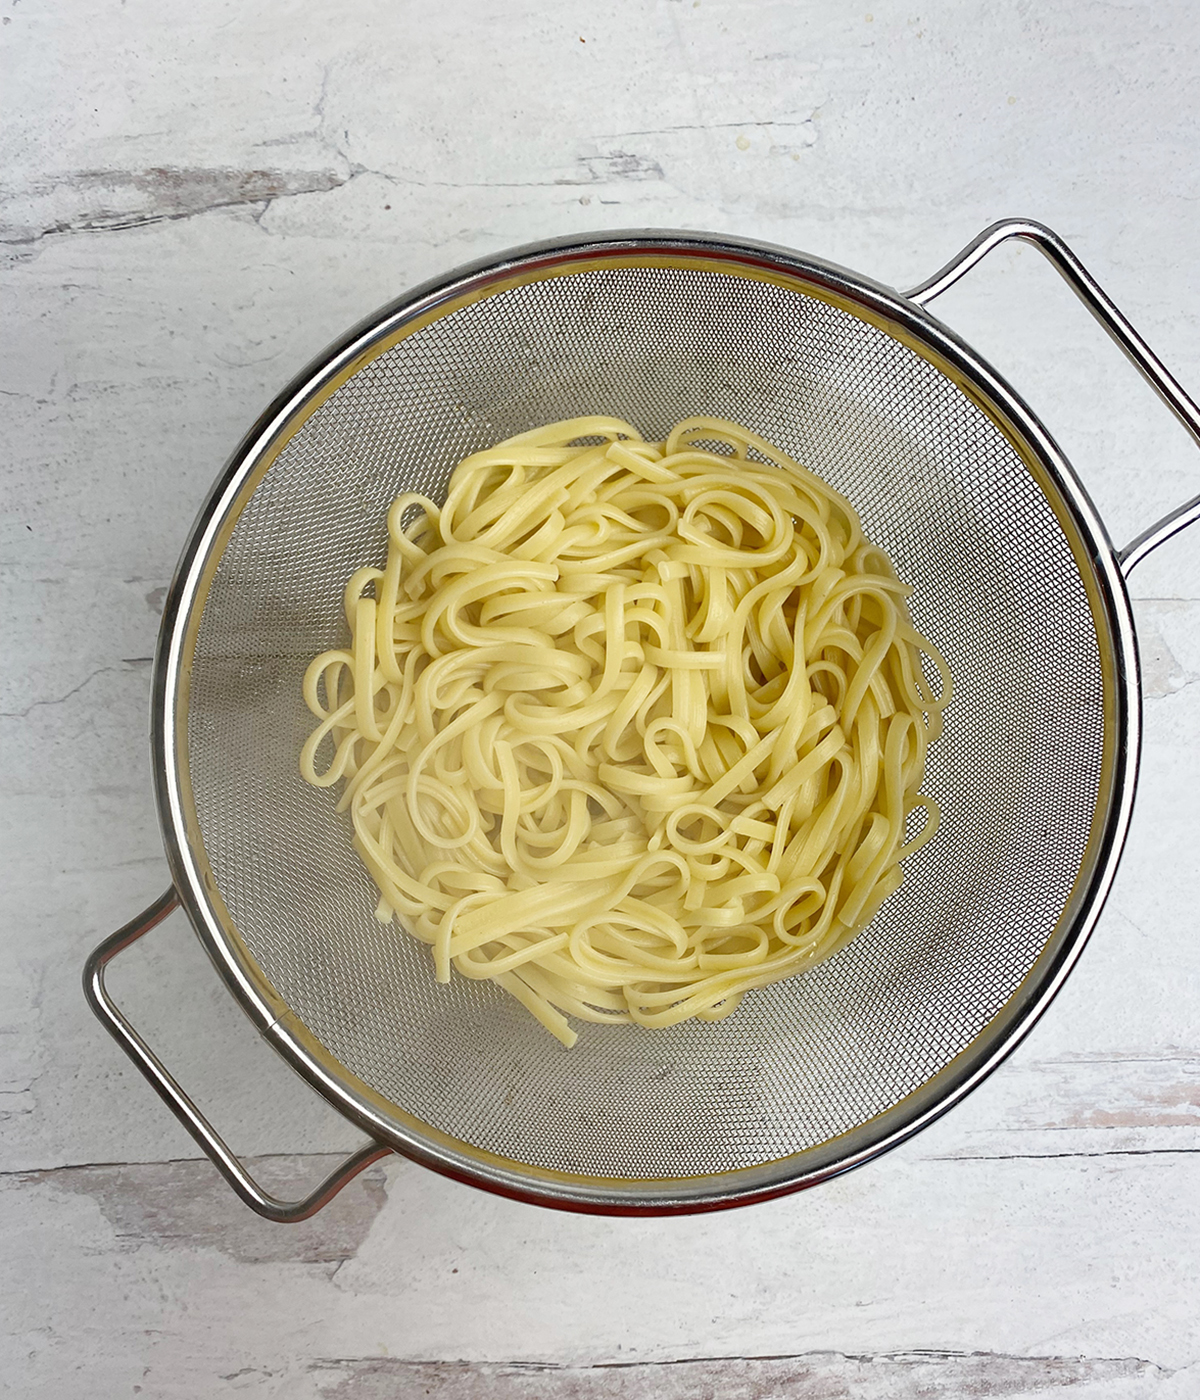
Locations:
(185, 1204)
(105, 201)
(932, 1374)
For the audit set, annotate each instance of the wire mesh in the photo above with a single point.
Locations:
(1017, 771)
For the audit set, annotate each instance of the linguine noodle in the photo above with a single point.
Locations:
(629, 728)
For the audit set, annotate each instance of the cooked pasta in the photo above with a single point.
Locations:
(629, 728)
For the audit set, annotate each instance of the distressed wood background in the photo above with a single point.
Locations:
(194, 199)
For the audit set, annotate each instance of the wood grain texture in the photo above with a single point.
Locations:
(159, 1278)
(819, 1376)
(186, 1203)
(193, 201)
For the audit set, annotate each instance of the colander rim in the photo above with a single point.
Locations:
(417, 1140)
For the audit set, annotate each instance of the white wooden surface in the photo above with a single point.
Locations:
(194, 199)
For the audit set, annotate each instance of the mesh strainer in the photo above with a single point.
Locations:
(1016, 580)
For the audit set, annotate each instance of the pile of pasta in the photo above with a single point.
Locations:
(628, 727)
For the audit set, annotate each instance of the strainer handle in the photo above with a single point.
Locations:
(1097, 301)
(184, 1109)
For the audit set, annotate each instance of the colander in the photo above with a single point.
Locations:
(1016, 580)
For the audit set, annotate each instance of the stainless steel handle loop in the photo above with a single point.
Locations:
(174, 1097)
(1097, 301)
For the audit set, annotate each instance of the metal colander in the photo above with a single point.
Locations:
(1015, 581)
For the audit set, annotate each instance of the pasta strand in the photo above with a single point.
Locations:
(629, 728)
